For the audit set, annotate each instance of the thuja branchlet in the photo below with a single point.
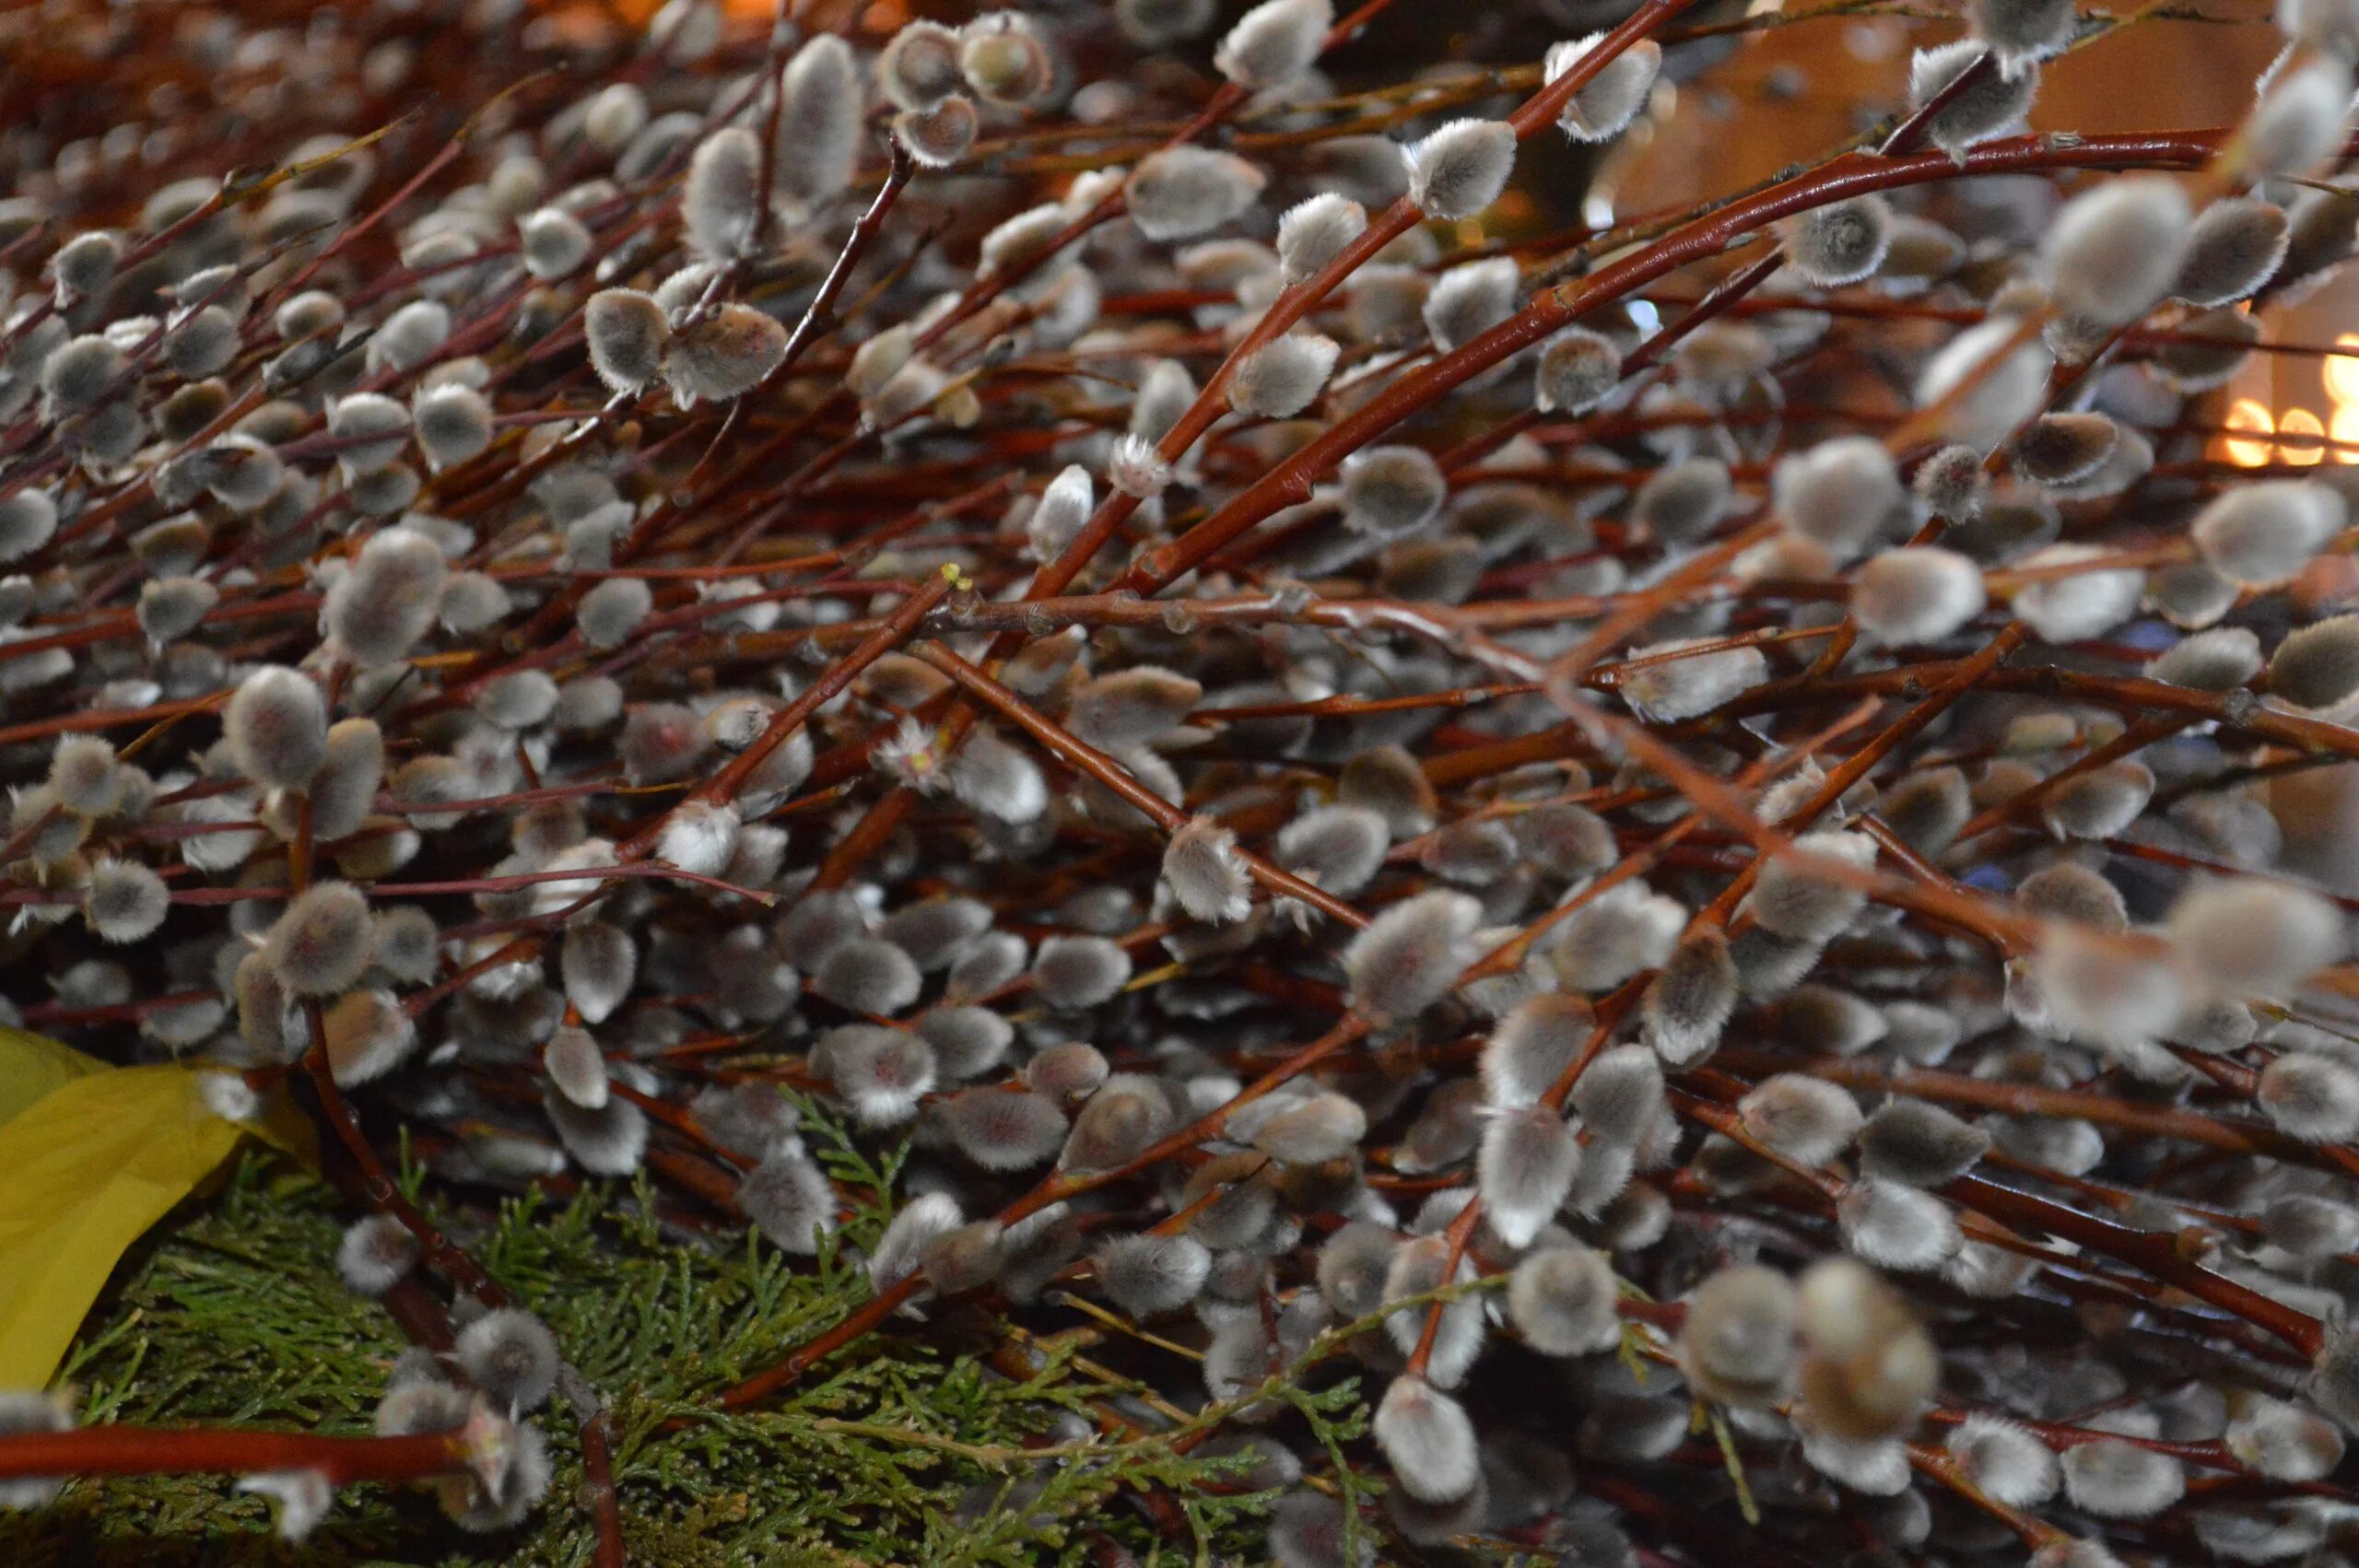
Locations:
(1048, 666)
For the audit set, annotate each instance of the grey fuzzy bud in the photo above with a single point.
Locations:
(123, 901)
(1840, 243)
(1202, 867)
(1562, 1300)
(1532, 1045)
(2260, 534)
(2120, 1480)
(1578, 369)
(1920, 1143)
(1523, 1170)
(1314, 232)
(1283, 376)
(1602, 107)
(1688, 1003)
(918, 67)
(1273, 42)
(2117, 250)
(1737, 1344)
(1389, 491)
(1339, 848)
(628, 335)
(788, 1200)
(510, 1355)
(1665, 681)
(409, 337)
(1426, 1437)
(1953, 483)
(344, 791)
(379, 608)
(1149, 1275)
(1460, 170)
(375, 1255)
(79, 372)
(554, 242)
(2022, 31)
(1993, 106)
(1841, 493)
(1079, 971)
(724, 356)
(2299, 121)
(819, 119)
(277, 726)
(1411, 954)
(1918, 594)
(2238, 245)
(2221, 659)
(721, 201)
(319, 945)
(1681, 502)
(1133, 707)
(1004, 1132)
(1469, 301)
(453, 423)
(938, 137)
(609, 613)
(1002, 59)
(2317, 666)
(28, 520)
(2058, 449)
(1182, 191)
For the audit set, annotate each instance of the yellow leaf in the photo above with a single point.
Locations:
(31, 1065)
(91, 1163)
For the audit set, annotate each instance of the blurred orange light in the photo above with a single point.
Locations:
(2301, 440)
(2248, 414)
(2345, 427)
(2342, 372)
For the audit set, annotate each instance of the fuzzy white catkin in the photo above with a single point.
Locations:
(554, 243)
(1391, 490)
(1469, 301)
(1273, 42)
(1841, 493)
(1983, 388)
(725, 354)
(940, 136)
(277, 726)
(1918, 594)
(377, 611)
(1840, 243)
(2238, 244)
(722, 200)
(1313, 232)
(1460, 168)
(2300, 119)
(2115, 251)
(1206, 874)
(1578, 369)
(819, 119)
(1183, 192)
(628, 337)
(1428, 1437)
(1284, 376)
(1602, 107)
(2072, 604)
(454, 423)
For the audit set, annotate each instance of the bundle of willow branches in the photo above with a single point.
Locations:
(1028, 664)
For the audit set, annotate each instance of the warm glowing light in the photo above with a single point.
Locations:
(2342, 373)
(2300, 437)
(2345, 428)
(2248, 414)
